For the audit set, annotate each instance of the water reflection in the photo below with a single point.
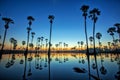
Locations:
(60, 66)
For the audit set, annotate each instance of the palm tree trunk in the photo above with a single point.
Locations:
(49, 50)
(113, 38)
(27, 41)
(86, 36)
(4, 39)
(94, 37)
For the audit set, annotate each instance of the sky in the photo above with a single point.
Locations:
(68, 24)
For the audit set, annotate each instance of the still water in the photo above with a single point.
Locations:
(60, 66)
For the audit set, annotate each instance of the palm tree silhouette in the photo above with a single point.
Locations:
(81, 44)
(46, 40)
(91, 40)
(78, 44)
(32, 34)
(7, 22)
(30, 19)
(118, 29)
(111, 31)
(42, 42)
(84, 9)
(94, 16)
(51, 17)
(23, 43)
(98, 36)
(11, 41)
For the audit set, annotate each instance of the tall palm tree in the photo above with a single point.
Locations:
(94, 16)
(30, 19)
(98, 36)
(111, 31)
(7, 22)
(84, 9)
(51, 18)
(118, 29)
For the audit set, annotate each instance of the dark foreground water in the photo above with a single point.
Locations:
(60, 66)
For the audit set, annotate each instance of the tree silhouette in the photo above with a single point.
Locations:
(84, 9)
(23, 43)
(94, 16)
(51, 18)
(91, 40)
(81, 44)
(30, 19)
(118, 29)
(46, 40)
(98, 36)
(111, 31)
(7, 22)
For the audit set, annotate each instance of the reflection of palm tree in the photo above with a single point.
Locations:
(24, 75)
(102, 69)
(93, 16)
(51, 17)
(7, 22)
(84, 9)
(30, 19)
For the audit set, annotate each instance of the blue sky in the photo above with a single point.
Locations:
(68, 25)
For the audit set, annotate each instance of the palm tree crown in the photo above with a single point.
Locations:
(93, 14)
(84, 9)
(98, 35)
(51, 17)
(30, 18)
(7, 21)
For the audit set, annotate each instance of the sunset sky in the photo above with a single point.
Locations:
(68, 24)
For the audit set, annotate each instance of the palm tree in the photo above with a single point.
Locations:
(11, 41)
(109, 44)
(23, 43)
(51, 17)
(118, 29)
(94, 16)
(91, 40)
(46, 40)
(78, 44)
(7, 22)
(84, 9)
(42, 41)
(32, 34)
(98, 36)
(30, 19)
(81, 44)
(111, 31)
